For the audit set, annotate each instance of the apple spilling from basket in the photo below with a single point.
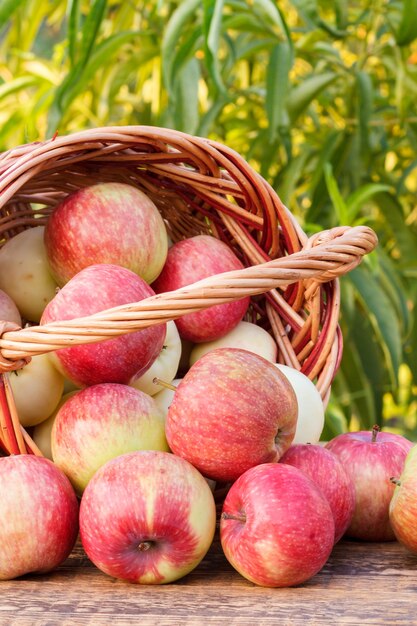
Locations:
(138, 432)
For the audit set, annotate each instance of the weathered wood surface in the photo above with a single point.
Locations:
(360, 584)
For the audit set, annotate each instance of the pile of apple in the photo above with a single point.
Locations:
(138, 432)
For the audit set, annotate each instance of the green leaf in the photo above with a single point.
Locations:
(245, 22)
(78, 78)
(357, 199)
(341, 10)
(302, 95)
(274, 16)
(212, 25)
(309, 9)
(186, 110)
(73, 13)
(90, 29)
(172, 35)
(290, 176)
(335, 422)
(382, 316)
(208, 119)
(395, 288)
(277, 82)
(365, 107)
(372, 367)
(407, 30)
(185, 50)
(403, 235)
(411, 343)
(335, 195)
(7, 8)
(357, 397)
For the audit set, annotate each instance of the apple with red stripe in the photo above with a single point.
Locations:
(371, 458)
(38, 516)
(147, 517)
(101, 422)
(110, 223)
(189, 261)
(276, 528)
(326, 470)
(116, 360)
(232, 410)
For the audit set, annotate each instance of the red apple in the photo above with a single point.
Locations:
(191, 260)
(276, 527)
(147, 517)
(38, 516)
(117, 360)
(371, 459)
(232, 410)
(403, 505)
(327, 472)
(110, 223)
(102, 422)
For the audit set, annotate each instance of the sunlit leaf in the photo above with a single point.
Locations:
(18, 84)
(78, 78)
(274, 15)
(302, 95)
(7, 8)
(358, 198)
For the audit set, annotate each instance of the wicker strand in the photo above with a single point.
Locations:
(324, 261)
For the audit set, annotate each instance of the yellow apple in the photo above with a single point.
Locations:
(164, 367)
(25, 274)
(37, 389)
(41, 434)
(310, 421)
(246, 336)
(164, 398)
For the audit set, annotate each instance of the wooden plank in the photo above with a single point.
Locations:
(362, 583)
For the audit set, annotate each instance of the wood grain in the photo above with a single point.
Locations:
(362, 583)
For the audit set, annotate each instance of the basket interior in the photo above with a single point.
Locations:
(200, 187)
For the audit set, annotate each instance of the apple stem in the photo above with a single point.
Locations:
(163, 383)
(144, 545)
(240, 517)
(396, 481)
(375, 431)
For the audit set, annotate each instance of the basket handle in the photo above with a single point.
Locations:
(325, 257)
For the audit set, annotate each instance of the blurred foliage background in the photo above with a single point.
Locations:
(318, 95)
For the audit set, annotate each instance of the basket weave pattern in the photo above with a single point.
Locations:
(200, 187)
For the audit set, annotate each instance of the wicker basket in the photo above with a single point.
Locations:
(200, 187)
